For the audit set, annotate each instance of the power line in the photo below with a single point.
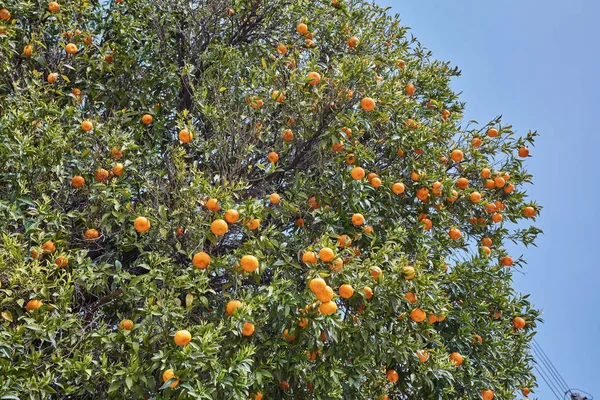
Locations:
(547, 383)
(544, 368)
(553, 373)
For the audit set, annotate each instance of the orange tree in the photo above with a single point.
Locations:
(244, 198)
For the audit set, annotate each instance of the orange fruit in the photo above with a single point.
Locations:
(496, 217)
(344, 241)
(326, 254)
(418, 315)
(117, 169)
(457, 155)
(284, 386)
(487, 394)
(476, 142)
(201, 260)
(313, 78)
(357, 173)
(477, 339)
(249, 263)
(509, 188)
(358, 219)
(78, 181)
(141, 224)
(368, 229)
(506, 261)
(61, 261)
(101, 175)
(411, 297)
(367, 104)
(486, 173)
(423, 194)
(278, 96)
(213, 204)
(328, 308)
(48, 247)
(287, 135)
(486, 241)
(432, 319)
(317, 285)
(475, 197)
(53, 6)
(414, 176)
(248, 329)
(182, 338)
(346, 291)
(499, 182)
(27, 50)
(408, 272)
(376, 182)
(273, 157)
(454, 234)
(529, 212)
(309, 257)
(445, 114)
(87, 126)
(371, 176)
(326, 295)
(256, 103)
(398, 188)
(401, 64)
(219, 227)
(4, 14)
(392, 376)
(168, 374)
(33, 305)
(454, 196)
(519, 323)
(231, 306)
(437, 188)
(91, 234)
(147, 119)
(281, 49)
(337, 264)
(462, 183)
(410, 89)
(301, 29)
(232, 216)
(456, 358)
(423, 355)
(353, 42)
(71, 48)
(368, 292)
(115, 153)
(523, 152)
(525, 391)
(185, 136)
(274, 198)
(375, 272)
(299, 222)
(492, 132)
(126, 324)
(253, 224)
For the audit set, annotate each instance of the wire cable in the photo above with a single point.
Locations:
(553, 372)
(555, 369)
(550, 379)
(547, 383)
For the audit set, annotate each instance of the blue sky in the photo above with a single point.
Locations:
(536, 63)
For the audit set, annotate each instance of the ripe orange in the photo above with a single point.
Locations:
(408, 272)
(141, 224)
(368, 229)
(499, 182)
(410, 89)
(71, 48)
(437, 187)
(273, 157)
(33, 305)
(326, 254)
(353, 42)
(5, 14)
(168, 374)
(457, 155)
(231, 306)
(185, 136)
(274, 198)
(398, 188)
(256, 103)
(278, 96)
(313, 78)
(358, 219)
(462, 183)
(48, 247)
(287, 135)
(299, 222)
(487, 394)
(301, 29)
(525, 391)
(423, 355)
(325, 295)
(249, 263)
(317, 285)
(392, 376)
(78, 181)
(344, 241)
(432, 319)
(368, 292)
(414, 176)
(117, 169)
(357, 173)
(418, 315)
(219, 227)
(253, 224)
(232, 216)
(201, 260)
(371, 176)
(496, 217)
(509, 188)
(454, 196)
(375, 272)
(445, 114)
(475, 197)
(283, 385)
(27, 50)
(476, 142)
(506, 261)
(182, 338)
(101, 175)
(519, 323)
(213, 204)
(126, 324)
(401, 64)
(486, 241)
(477, 339)
(411, 297)
(492, 132)
(456, 358)
(61, 261)
(529, 212)
(346, 291)
(115, 153)
(282, 49)
(91, 234)
(147, 119)
(423, 194)
(87, 126)
(337, 265)
(248, 329)
(454, 234)
(309, 257)
(486, 173)
(53, 7)
(367, 104)
(328, 308)
(523, 152)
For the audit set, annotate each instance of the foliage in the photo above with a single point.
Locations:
(215, 68)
